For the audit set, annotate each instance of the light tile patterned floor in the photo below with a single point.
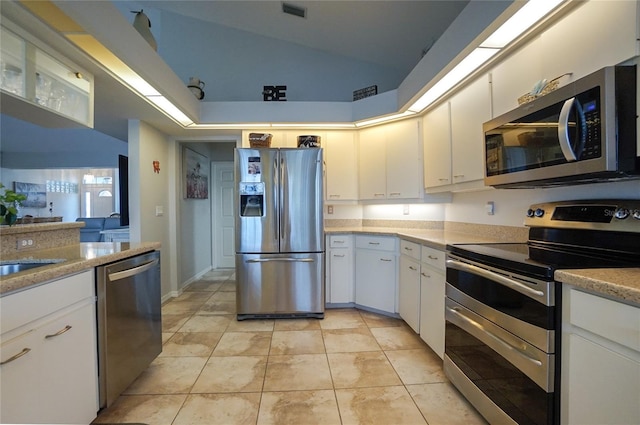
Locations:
(352, 367)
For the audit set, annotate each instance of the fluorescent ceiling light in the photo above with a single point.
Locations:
(384, 119)
(165, 105)
(314, 125)
(469, 64)
(521, 21)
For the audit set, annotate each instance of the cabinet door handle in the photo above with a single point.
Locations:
(426, 275)
(338, 241)
(385, 259)
(338, 255)
(443, 180)
(334, 196)
(412, 268)
(457, 176)
(378, 194)
(394, 194)
(60, 332)
(16, 357)
(374, 243)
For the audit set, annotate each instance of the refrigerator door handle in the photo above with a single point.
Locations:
(276, 200)
(285, 259)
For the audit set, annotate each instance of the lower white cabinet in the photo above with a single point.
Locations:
(48, 353)
(432, 293)
(339, 273)
(376, 272)
(409, 284)
(600, 360)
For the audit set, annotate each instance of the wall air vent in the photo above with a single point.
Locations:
(294, 10)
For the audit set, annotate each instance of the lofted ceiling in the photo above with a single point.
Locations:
(391, 33)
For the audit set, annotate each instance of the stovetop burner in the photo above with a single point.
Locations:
(567, 235)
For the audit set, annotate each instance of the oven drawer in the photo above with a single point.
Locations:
(534, 363)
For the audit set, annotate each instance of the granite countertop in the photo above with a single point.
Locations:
(70, 259)
(435, 238)
(621, 284)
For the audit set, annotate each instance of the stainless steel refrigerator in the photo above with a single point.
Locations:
(279, 233)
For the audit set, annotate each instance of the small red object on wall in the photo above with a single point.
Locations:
(156, 167)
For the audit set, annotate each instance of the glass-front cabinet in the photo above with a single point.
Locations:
(40, 80)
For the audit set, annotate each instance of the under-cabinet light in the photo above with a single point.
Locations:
(169, 108)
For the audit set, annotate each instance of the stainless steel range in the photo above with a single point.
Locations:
(503, 307)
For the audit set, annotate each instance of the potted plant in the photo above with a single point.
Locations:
(9, 202)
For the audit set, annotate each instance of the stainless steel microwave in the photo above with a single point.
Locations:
(583, 132)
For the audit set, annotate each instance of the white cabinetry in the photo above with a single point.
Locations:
(600, 360)
(432, 293)
(40, 87)
(454, 140)
(341, 158)
(390, 161)
(437, 147)
(340, 282)
(376, 272)
(409, 284)
(469, 110)
(49, 354)
(609, 38)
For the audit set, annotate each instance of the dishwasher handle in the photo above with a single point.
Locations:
(132, 271)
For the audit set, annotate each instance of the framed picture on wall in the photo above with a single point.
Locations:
(195, 171)
(36, 194)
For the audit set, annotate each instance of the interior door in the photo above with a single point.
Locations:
(223, 220)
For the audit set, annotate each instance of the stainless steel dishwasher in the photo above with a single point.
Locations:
(129, 321)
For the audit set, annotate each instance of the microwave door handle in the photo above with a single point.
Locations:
(563, 131)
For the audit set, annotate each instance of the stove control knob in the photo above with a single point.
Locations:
(539, 212)
(636, 214)
(622, 213)
(529, 212)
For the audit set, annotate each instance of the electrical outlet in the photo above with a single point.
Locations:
(405, 209)
(490, 208)
(329, 209)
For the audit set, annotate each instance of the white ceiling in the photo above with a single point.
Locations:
(391, 33)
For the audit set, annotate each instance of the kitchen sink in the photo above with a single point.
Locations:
(11, 267)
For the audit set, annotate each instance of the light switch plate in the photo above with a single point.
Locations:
(159, 210)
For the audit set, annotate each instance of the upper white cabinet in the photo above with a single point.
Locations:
(341, 158)
(469, 110)
(592, 35)
(390, 161)
(437, 146)
(40, 86)
(453, 139)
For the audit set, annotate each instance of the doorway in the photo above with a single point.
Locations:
(223, 221)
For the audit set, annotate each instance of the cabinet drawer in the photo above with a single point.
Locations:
(23, 307)
(433, 257)
(615, 321)
(411, 249)
(340, 241)
(379, 243)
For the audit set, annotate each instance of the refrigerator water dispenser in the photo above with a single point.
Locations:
(251, 199)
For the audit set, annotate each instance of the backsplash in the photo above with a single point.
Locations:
(20, 240)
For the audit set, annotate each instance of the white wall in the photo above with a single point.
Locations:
(149, 190)
(194, 238)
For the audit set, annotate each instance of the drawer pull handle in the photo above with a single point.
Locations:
(16, 357)
(374, 243)
(338, 241)
(339, 256)
(443, 180)
(408, 249)
(385, 259)
(60, 332)
(431, 257)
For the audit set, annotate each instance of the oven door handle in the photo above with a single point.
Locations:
(513, 284)
(493, 336)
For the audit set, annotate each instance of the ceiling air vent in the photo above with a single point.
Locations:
(294, 10)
